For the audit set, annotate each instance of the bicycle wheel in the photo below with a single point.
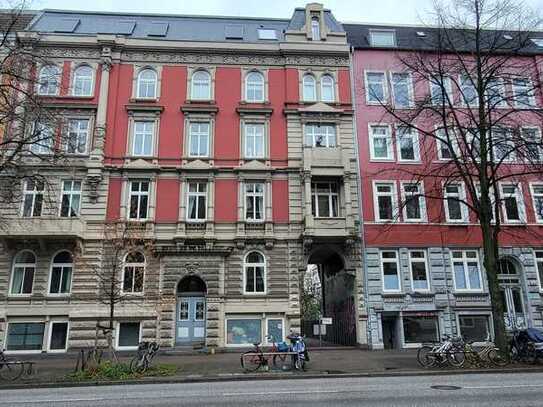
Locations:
(426, 356)
(10, 370)
(299, 363)
(496, 358)
(137, 365)
(252, 362)
(456, 357)
(281, 362)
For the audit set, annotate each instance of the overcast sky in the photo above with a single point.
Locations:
(386, 11)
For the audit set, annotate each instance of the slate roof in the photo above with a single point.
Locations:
(407, 38)
(298, 20)
(13, 21)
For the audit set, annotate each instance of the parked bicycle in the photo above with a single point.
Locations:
(526, 345)
(256, 358)
(11, 369)
(142, 361)
(449, 351)
(487, 355)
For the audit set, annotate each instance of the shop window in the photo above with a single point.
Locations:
(26, 336)
(275, 330)
(474, 327)
(419, 329)
(243, 331)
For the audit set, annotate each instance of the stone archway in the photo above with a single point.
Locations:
(190, 313)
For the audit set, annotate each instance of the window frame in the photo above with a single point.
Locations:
(198, 194)
(62, 266)
(394, 200)
(384, 88)
(90, 80)
(390, 142)
(139, 193)
(382, 31)
(538, 254)
(70, 193)
(152, 133)
(331, 85)
(538, 139)
(461, 91)
(254, 195)
(315, 29)
(147, 82)
(465, 260)
(247, 124)
(396, 261)
(415, 139)
(209, 81)
(238, 317)
(262, 86)
(199, 136)
(254, 265)
(453, 141)
(41, 148)
(326, 135)
(447, 85)
(118, 335)
(266, 331)
(502, 92)
(519, 195)
(58, 80)
(133, 265)
(410, 89)
(50, 334)
(25, 351)
(15, 264)
(330, 194)
(315, 96)
(426, 269)
(461, 196)
(78, 133)
(34, 192)
(530, 95)
(533, 185)
(422, 202)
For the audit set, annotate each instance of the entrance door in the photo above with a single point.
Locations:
(389, 325)
(190, 325)
(513, 309)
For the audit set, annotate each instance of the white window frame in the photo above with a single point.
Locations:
(70, 193)
(535, 195)
(41, 80)
(62, 265)
(199, 135)
(384, 87)
(422, 201)
(118, 335)
(134, 265)
(382, 31)
(414, 135)
(39, 147)
(538, 254)
(465, 260)
(247, 265)
(198, 195)
(146, 84)
(393, 194)
(255, 317)
(461, 197)
(139, 194)
(86, 80)
(519, 195)
(409, 84)
(201, 82)
(75, 128)
(453, 141)
(537, 141)
(253, 86)
(465, 81)
(26, 321)
(250, 132)
(34, 192)
(502, 92)
(503, 140)
(389, 139)
(330, 194)
(255, 196)
(268, 318)
(331, 85)
(49, 330)
(327, 132)
(22, 265)
(144, 134)
(423, 260)
(530, 95)
(315, 29)
(396, 260)
(305, 96)
(447, 85)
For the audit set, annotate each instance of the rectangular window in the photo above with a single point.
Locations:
(42, 138)
(407, 141)
(254, 140)
(199, 139)
(128, 335)
(385, 201)
(33, 198)
(275, 330)
(382, 38)
(320, 135)
(376, 87)
(491, 196)
(467, 274)
(419, 270)
(78, 135)
(523, 93)
(58, 336)
(196, 202)
(447, 144)
(512, 203)
(25, 336)
(243, 331)
(139, 200)
(71, 199)
(531, 138)
(22, 279)
(468, 91)
(133, 278)
(254, 202)
(143, 138)
(474, 328)
(381, 143)
(420, 329)
(455, 209)
(441, 91)
(324, 199)
(495, 93)
(390, 270)
(402, 89)
(537, 198)
(414, 208)
(503, 145)
(61, 278)
(539, 262)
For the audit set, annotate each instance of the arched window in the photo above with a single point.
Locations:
(22, 276)
(147, 80)
(83, 81)
(201, 86)
(254, 87)
(310, 91)
(133, 272)
(315, 29)
(327, 88)
(48, 80)
(61, 273)
(254, 273)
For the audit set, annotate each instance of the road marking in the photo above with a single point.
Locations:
(268, 393)
(51, 401)
(502, 387)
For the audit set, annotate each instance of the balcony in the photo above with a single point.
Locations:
(321, 157)
(326, 227)
(44, 228)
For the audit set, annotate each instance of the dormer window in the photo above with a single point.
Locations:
(382, 38)
(315, 29)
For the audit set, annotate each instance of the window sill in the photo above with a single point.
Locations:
(392, 294)
(144, 108)
(142, 100)
(410, 162)
(382, 160)
(58, 296)
(469, 292)
(422, 293)
(254, 294)
(79, 97)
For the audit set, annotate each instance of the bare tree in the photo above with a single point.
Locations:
(120, 272)
(475, 86)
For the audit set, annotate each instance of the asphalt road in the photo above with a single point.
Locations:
(518, 390)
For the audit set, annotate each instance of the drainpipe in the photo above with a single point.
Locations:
(449, 307)
(359, 190)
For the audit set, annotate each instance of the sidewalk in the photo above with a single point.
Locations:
(50, 369)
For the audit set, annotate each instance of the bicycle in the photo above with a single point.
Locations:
(253, 359)
(450, 351)
(146, 352)
(489, 354)
(10, 369)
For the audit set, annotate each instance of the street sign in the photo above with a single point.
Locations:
(326, 321)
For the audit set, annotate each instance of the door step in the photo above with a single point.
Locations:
(186, 350)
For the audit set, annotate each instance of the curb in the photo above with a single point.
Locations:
(230, 377)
